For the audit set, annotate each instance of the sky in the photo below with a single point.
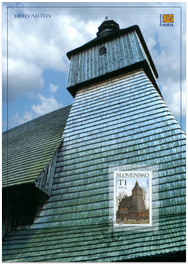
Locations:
(34, 61)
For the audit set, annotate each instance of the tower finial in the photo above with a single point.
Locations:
(107, 18)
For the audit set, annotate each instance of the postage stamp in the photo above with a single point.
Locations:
(132, 198)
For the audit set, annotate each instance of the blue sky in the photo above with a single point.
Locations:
(37, 47)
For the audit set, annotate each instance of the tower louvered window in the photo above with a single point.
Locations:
(102, 51)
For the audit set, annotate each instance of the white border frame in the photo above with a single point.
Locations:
(150, 194)
(154, 194)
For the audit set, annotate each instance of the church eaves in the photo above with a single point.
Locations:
(31, 151)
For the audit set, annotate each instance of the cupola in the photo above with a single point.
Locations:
(107, 27)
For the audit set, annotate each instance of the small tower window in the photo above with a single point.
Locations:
(102, 51)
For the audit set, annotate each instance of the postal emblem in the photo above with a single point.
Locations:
(168, 18)
(132, 198)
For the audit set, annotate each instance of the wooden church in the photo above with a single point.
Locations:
(133, 207)
(57, 169)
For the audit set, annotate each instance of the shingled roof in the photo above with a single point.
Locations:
(29, 158)
(31, 146)
(126, 202)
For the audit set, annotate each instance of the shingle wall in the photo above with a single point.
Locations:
(121, 121)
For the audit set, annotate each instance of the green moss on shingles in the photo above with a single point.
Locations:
(35, 142)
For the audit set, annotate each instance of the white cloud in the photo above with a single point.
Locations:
(53, 88)
(22, 77)
(35, 45)
(26, 117)
(92, 26)
(47, 105)
(39, 44)
(151, 42)
(172, 96)
(17, 120)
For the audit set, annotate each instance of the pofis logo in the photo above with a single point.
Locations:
(168, 18)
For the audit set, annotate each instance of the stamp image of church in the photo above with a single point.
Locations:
(133, 208)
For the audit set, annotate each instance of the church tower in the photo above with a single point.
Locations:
(112, 53)
(119, 118)
(137, 190)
